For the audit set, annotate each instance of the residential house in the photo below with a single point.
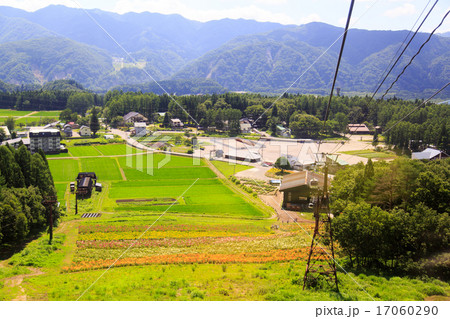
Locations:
(282, 131)
(176, 123)
(85, 131)
(358, 129)
(133, 117)
(85, 183)
(429, 154)
(48, 140)
(74, 125)
(245, 125)
(140, 128)
(8, 134)
(16, 142)
(243, 155)
(67, 129)
(299, 188)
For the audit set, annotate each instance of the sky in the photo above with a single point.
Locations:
(367, 14)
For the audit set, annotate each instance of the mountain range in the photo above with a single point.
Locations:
(102, 50)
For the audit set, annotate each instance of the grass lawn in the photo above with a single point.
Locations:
(48, 113)
(7, 113)
(61, 189)
(64, 170)
(168, 173)
(157, 159)
(80, 151)
(212, 245)
(105, 168)
(116, 149)
(228, 169)
(58, 155)
(370, 154)
(35, 119)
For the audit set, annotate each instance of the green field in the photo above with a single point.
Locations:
(6, 113)
(48, 113)
(105, 168)
(228, 168)
(80, 151)
(213, 243)
(370, 154)
(116, 149)
(64, 170)
(36, 120)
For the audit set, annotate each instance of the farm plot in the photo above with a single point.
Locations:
(105, 168)
(13, 113)
(156, 159)
(64, 170)
(48, 113)
(61, 190)
(98, 244)
(168, 173)
(228, 169)
(80, 151)
(116, 149)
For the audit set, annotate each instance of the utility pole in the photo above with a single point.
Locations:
(321, 262)
(48, 202)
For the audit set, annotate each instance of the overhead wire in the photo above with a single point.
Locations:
(403, 43)
(338, 146)
(414, 56)
(341, 51)
(411, 112)
(403, 51)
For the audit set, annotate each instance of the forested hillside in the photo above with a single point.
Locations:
(239, 55)
(394, 214)
(25, 180)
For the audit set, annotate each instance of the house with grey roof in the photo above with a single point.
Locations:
(429, 154)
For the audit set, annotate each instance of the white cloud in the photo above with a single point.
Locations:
(406, 9)
(252, 12)
(271, 2)
(313, 17)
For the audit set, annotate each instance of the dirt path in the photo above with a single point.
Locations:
(16, 281)
(29, 114)
(121, 170)
(71, 230)
(284, 216)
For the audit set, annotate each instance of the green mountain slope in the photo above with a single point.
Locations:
(47, 59)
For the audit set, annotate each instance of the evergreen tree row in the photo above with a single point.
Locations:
(25, 180)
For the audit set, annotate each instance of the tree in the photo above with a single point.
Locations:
(23, 158)
(94, 124)
(80, 102)
(342, 121)
(116, 121)
(10, 123)
(305, 126)
(2, 135)
(282, 163)
(66, 115)
(375, 138)
(166, 121)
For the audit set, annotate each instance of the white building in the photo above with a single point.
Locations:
(140, 128)
(176, 123)
(48, 140)
(85, 131)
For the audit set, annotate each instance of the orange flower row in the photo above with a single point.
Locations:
(254, 257)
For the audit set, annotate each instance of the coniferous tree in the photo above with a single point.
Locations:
(94, 124)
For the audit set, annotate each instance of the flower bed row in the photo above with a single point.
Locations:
(171, 242)
(104, 228)
(247, 257)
